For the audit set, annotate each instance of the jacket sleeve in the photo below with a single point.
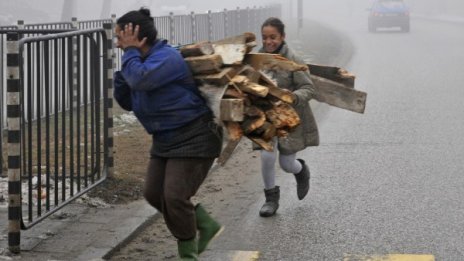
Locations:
(122, 92)
(304, 87)
(156, 70)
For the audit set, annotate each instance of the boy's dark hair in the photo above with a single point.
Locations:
(145, 22)
(276, 23)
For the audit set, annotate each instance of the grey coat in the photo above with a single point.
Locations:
(306, 134)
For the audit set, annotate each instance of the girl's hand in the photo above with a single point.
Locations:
(128, 37)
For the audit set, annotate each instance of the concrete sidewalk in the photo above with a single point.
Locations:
(79, 231)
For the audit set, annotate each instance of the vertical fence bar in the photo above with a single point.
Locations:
(55, 117)
(47, 120)
(237, 21)
(39, 132)
(226, 23)
(210, 26)
(172, 29)
(14, 140)
(193, 27)
(74, 106)
(1, 104)
(109, 85)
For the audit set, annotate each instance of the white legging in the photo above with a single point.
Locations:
(288, 163)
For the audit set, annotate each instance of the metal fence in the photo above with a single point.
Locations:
(58, 121)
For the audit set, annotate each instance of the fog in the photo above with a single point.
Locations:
(39, 11)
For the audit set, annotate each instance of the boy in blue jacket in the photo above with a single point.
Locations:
(157, 85)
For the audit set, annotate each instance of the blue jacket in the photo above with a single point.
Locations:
(159, 88)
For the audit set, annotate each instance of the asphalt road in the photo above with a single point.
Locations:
(389, 181)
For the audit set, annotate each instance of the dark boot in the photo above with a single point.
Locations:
(188, 250)
(207, 226)
(302, 180)
(272, 202)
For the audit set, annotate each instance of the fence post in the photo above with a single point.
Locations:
(74, 105)
(237, 26)
(172, 28)
(109, 83)
(210, 26)
(226, 23)
(194, 27)
(14, 143)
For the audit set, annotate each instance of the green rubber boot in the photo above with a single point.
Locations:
(188, 250)
(207, 226)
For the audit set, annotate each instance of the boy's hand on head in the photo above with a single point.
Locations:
(128, 37)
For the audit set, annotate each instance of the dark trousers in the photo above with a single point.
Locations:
(169, 185)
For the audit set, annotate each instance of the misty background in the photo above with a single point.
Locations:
(44, 11)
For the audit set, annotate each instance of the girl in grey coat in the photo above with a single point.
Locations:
(306, 134)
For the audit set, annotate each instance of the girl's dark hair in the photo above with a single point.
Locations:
(276, 23)
(145, 22)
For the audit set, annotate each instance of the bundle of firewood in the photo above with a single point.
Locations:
(250, 104)
(246, 101)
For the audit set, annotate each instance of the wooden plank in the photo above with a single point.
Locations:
(250, 46)
(262, 143)
(213, 95)
(232, 54)
(255, 119)
(232, 49)
(250, 73)
(231, 110)
(234, 131)
(338, 95)
(205, 64)
(226, 153)
(198, 49)
(282, 94)
(254, 88)
(267, 131)
(332, 73)
(220, 78)
(244, 84)
(234, 93)
(266, 61)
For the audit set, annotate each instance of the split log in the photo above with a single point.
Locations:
(266, 145)
(221, 78)
(267, 131)
(234, 93)
(332, 73)
(250, 46)
(198, 49)
(255, 119)
(266, 61)
(280, 93)
(252, 74)
(232, 54)
(231, 49)
(213, 95)
(234, 131)
(246, 85)
(227, 151)
(338, 95)
(283, 116)
(205, 64)
(231, 110)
